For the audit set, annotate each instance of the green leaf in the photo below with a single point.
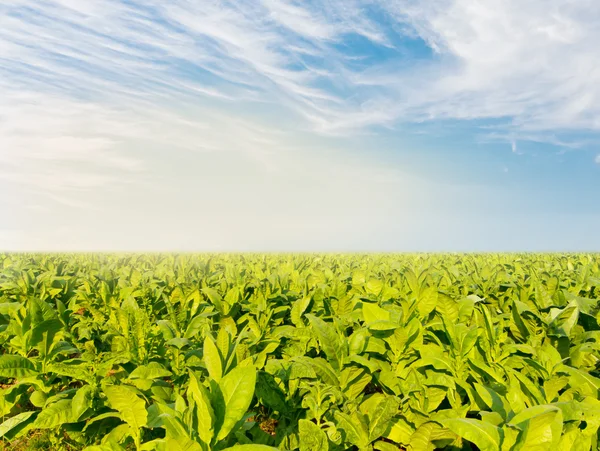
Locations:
(583, 380)
(205, 416)
(38, 398)
(118, 434)
(16, 366)
(427, 301)
(237, 389)
(541, 428)
(447, 307)
(82, 401)
(212, 359)
(110, 446)
(182, 445)
(57, 413)
(194, 326)
(128, 404)
(153, 370)
(372, 313)
(8, 308)
(214, 297)
(19, 420)
(178, 342)
(486, 436)
(101, 417)
(521, 327)
(374, 287)
(353, 380)
(384, 446)
(330, 341)
(312, 437)
(298, 308)
(251, 448)
(400, 431)
(354, 430)
(161, 415)
(46, 329)
(74, 371)
(380, 410)
(421, 439)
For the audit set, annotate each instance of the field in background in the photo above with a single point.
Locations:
(300, 352)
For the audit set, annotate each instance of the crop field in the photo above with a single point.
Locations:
(256, 352)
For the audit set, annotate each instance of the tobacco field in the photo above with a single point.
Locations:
(256, 352)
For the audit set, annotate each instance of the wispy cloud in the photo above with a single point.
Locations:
(103, 100)
(533, 64)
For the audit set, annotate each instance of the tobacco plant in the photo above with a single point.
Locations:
(495, 352)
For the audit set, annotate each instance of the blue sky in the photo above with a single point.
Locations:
(338, 125)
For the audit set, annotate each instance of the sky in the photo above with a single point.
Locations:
(281, 125)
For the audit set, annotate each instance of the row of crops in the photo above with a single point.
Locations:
(300, 352)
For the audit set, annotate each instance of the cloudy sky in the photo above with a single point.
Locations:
(333, 125)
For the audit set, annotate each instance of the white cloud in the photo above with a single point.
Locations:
(533, 65)
(597, 160)
(122, 122)
(530, 62)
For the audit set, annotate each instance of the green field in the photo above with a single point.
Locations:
(256, 352)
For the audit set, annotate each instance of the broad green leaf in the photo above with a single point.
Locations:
(380, 410)
(421, 438)
(38, 398)
(427, 301)
(82, 401)
(47, 329)
(520, 328)
(105, 447)
(194, 326)
(212, 359)
(486, 436)
(321, 367)
(384, 446)
(203, 409)
(8, 308)
(118, 434)
(298, 308)
(251, 448)
(14, 422)
(583, 380)
(101, 417)
(372, 313)
(400, 431)
(161, 415)
(128, 404)
(374, 287)
(312, 437)
(447, 307)
(355, 432)
(74, 371)
(353, 380)
(55, 414)
(153, 370)
(215, 298)
(541, 428)
(329, 339)
(16, 366)
(182, 445)
(237, 389)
